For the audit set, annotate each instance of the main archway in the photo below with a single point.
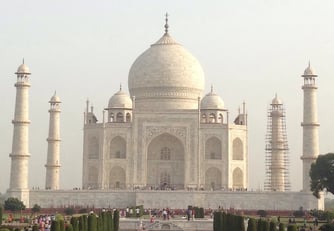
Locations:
(165, 163)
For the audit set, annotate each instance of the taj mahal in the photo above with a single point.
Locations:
(165, 144)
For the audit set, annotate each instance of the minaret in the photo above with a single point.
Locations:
(20, 148)
(52, 164)
(277, 148)
(310, 125)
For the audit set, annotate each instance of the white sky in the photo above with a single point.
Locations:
(249, 50)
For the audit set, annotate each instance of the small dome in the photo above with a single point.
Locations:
(309, 71)
(55, 99)
(212, 101)
(23, 69)
(120, 100)
(276, 100)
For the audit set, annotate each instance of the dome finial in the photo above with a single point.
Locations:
(211, 88)
(120, 86)
(23, 61)
(166, 24)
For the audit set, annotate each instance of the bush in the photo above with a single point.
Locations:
(69, 211)
(36, 208)
(83, 210)
(327, 227)
(262, 213)
(14, 204)
(299, 213)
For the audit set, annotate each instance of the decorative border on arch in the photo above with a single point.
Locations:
(153, 131)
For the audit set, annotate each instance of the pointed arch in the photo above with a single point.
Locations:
(212, 118)
(93, 148)
(92, 178)
(117, 148)
(119, 117)
(220, 118)
(117, 178)
(238, 150)
(165, 162)
(213, 179)
(203, 120)
(213, 149)
(238, 178)
(111, 117)
(128, 117)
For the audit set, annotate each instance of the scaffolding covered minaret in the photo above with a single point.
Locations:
(277, 161)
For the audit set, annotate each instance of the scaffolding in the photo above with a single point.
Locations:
(277, 150)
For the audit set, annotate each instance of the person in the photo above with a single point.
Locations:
(279, 219)
(188, 214)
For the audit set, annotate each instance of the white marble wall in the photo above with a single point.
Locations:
(176, 199)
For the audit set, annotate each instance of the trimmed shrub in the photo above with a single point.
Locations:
(272, 226)
(281, 227)
(240, 224)
(116, 220)
(251, 224)
(218, 221)
(59, 217)
(69, 227)
(259, 226)
(265, 225)
(1, 213)
(110, 221)
(92, 222)
(75, 223)
(292, 228)
(61, 225)
(55, 226)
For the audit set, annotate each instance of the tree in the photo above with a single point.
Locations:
(322, 174)
(1, 214)
(36, 208)
(14, 204)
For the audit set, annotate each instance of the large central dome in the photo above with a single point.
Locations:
(166, 76)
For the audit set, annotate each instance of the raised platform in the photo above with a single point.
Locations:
(175, 199)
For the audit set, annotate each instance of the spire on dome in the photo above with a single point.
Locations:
(23, 61)
(309, 71)
(211, 88)
(120, 87)
(166, 23)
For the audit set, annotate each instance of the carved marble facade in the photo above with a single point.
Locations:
(165, 135)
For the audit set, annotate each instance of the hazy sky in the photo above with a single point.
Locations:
(249, 50)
